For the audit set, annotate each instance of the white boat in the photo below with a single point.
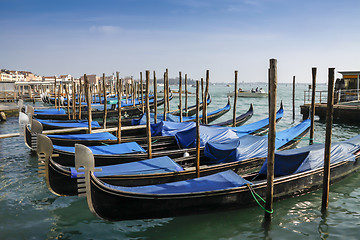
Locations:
(249, 94)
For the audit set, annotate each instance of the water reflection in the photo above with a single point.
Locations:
(323, 228)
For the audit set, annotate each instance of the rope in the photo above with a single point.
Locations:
(154, 141)
(254, 194)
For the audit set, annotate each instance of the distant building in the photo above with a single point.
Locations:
(93, 79)
(350, 79)
(18, 76)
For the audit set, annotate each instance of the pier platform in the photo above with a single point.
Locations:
(342, 113)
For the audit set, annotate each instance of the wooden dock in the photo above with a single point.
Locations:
(342, 113)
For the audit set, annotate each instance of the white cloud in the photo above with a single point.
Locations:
(106, 29)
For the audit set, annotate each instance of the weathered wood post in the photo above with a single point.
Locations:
(165, 97)
(148, 120)
(202, 92)
(142, 93)
(180, 98)
(67, 100)
(55, 95)
(105, 101)
(167, 90)
(271, 138)
(235, 98)
(73, 99)
(197, 130)
(88, 101)
(312, 109)
(205, 119)
(293, 99)
(119, 96)
(80, 97)
(155, 98)
(186, 97)
(329, 121)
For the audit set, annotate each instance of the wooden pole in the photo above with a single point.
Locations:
(271, 138)
(80, 97)
(312, 110)
(167, 90)
(88, 101)
(59, 95)
(155, 98)
(73, 100)
(180, 100)
(197, 130)
(235, 98)
(202, 91)
(165, 97)
(186, 97)
(142, 93)
(293, 99)
(119, 96)
(127, 91)
(205, 121)
(68, 100)
(148, 120)
(105, 101)
(134, 91)
(54, 93)
(329, 121)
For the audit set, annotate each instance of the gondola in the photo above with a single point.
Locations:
(127, 111)
(181, 143)
(211, 116)
(190, 111)
(240, 120)
(60, 124)
(133, 133)
(62, 180)
(222, 191)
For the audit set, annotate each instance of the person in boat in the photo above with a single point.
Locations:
(240, 90)
(257, 89)
(252, 90)
(261, 90)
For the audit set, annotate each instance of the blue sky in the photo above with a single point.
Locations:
(191, 36)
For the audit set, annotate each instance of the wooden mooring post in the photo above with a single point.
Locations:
(186, 97)
(165, 97)
(88, 101)
(105, 101)
(312, 108)
(119, 91)
(235, 98)
(293, 99)
(205, 119)
(155, 98)
(197, 130)
(329, 121)
(148, 120)
(271, 139)
(180, 99)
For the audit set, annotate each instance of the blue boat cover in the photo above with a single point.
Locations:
(115, 149)
(166, 128)
(312, 157)
(149, 166)
(187, 138)
(249, 146)
(219, 181)
(69, 123)
(49, 111)
(253, 127)
(173, 118)
(89, 136)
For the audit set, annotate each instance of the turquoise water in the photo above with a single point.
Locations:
(29, 211)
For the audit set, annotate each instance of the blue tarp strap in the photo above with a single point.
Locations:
(254, 194)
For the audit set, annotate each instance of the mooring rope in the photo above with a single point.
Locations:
(254, 194)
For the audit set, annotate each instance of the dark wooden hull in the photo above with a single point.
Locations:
(192, 109)
(114, 205)
(240, 120)
(62, 184)
(129, 111)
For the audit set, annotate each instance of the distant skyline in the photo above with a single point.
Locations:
(191, 36)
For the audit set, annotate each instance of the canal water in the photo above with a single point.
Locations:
(29, 211)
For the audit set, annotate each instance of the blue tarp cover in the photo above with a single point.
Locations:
(49, 111)
(166, 128)
(173, 118)
(149, 166)
(187, 138)
(90, 136)
(238, 149)
(253, 127)
(69, 123)
(218, 181)
(312, 157)
(122, 148)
